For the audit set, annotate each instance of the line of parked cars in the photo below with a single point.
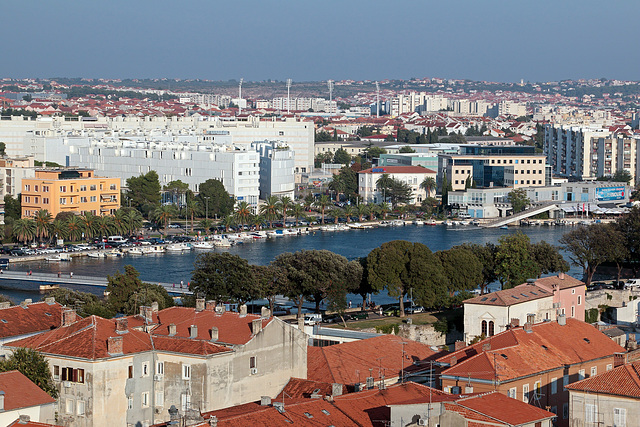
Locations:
(633, 284)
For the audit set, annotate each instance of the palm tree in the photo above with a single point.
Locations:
(270, 209)
(285, 204)
(43, 220)
(206, 224)
(384, 209)
(59, 229)
(74, 228)
(257, 221)
(349, 211)
(335, 213)
(228, 222)
(384, 183)
(120, 224)
(243, 212)
(363, 210)
(428, 185)
(105, 225)
(297, 210)
(192, 207)
(134, 220)
(163, 214)
(309, 200)
(24, 229)
(88, 221)
(322, 203)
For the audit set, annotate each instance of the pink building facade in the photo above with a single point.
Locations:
(568, 294)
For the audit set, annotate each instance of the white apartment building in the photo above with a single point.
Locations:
(276, 169)
(12, 171)
(298, 134)
(410, 175)
(615, 153)
(510, 108)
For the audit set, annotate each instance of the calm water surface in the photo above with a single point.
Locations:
(173, 267)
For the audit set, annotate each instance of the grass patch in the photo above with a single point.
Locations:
(387, 322)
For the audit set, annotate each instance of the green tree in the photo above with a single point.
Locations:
(341, 157)
(374, 152)
(629, 226)
(243, 213)
(285, 206)
(548, 258)
(32, 365)
(43, 219)
(215, 199)
(89, 224)
(223, 277)
(462, 269)
(12, 207)
(364, 287)
(399, 266)
(85, 303)
(322, 204)
(270, 209)
(429, 185)
(514, 262)
(486, 254)
(269, 282)
(145, 296)
(345, 182)
(297, 210)
(588, 247)
(24, 229)
(163, 215)
(176, 189)
(104, 226)
(618, 251)
(121, 286)
(406, 149)
(143, 192)
(2, 149)
(518, 199)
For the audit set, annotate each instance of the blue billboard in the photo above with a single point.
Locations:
(604, 194)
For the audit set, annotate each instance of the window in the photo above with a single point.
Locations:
(554, 409)
(92, 187)
(73, 375)
(186, 372)
(35, 188)
(484, 328)
(145, 399)
(145, 369)
(93, 198)
(565, 380)
(45, 200)
(513, 392)
(83, 199)
(130, 371)
(159, 398)
(27, 199)
(45, 188)
(159, 368)
(581, 374)
(565, 411)
(112, 187)
(573, 311)
(185, 400)
(56, 372)
(83, 188)
(525, 393)
(253, 362)
(579, 299)
(491, 328)
(27, 187)
(63, 188)
(619, 417)
(63, 200)
(80, 407)
(554, 385)
(129, 402)
(609, 367)
(69, 406)
(590, 413)
(537, 389)
(594, 371)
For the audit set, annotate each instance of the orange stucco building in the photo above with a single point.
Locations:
(70, 190)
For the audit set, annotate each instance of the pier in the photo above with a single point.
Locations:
(67, 279)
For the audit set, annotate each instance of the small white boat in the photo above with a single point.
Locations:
(178, 247)
(418, 222)
(55, 258)
(135, 251)
(114, 253)
(203, 245)
(222, 243)
(49, 287)
(155, 249)
(97, 255)
(259, 235)
(397, 222)
(430, 222)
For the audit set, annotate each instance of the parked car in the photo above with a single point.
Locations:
(632, 284)
(393, 310)
(312, 318)
(414, 309)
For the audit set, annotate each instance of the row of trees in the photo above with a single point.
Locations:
(435, 279)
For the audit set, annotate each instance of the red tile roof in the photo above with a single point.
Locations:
(232, 328)
(563, 281)
(31, 424)
(36, 317)
(21, 392)
(300, 388)
(187, 346)
(497, 406)
(398, 169)
(352, 362)
(518, 353)
(508, 297)
(621, 381)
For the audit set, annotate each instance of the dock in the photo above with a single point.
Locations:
(67, 279)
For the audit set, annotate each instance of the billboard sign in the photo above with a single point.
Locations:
(604, 194)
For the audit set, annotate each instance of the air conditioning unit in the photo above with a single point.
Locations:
(254, 371)
(157, 377)
(422, 422)
(66, 384)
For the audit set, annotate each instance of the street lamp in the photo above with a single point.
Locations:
(206, 211)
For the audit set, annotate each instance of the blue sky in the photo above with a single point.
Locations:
(318, 40)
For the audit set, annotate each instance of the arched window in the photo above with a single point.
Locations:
(484, 328)
(491, 331)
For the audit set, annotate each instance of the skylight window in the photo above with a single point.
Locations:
(324, 411)
(587, 340)
(4, 320)
(524, 295)
(504, 356)
(484, 299)
(308, 415)
(533, 293)
(515, 297)
(48, 314)
(545, 347)
(494, 299)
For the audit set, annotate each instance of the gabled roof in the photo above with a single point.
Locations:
(562, 281)
(352, 362)
(30, 423)
(21, 392)
(301, 388)
(36, 317)
(516, 353)
(497, 406)
(621, 381)
(232, 327)
(508, 297)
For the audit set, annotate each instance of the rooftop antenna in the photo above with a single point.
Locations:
(240, 96)
(289, 81)
(377, 100)
(330, 86)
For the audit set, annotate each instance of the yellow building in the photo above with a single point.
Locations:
(70, 190)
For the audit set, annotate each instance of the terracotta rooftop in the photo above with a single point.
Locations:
(232, 327)
(350, 363)
(18, 423)
(508, 297)
(398, 169)
(519, 353)
(563, 281)
(300, 388)
(36, 317)
(497, 406)
(21, 392)
(621, 381)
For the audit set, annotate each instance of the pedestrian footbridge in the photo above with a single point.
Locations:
(527, 213)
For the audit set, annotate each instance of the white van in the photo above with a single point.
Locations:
(312, 318)
(116, 239)
(632, 284)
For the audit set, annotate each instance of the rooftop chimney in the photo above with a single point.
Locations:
(453, 361)
(561, 276)
(194, 331)
(459, 345)
(301, 323)
(1, 400)
(172, 329)
(146, 313)
(154, 306)
(265, 312)
(515, 322)
(336, 389)
(114, 346)
(468, 389)
(486, 346)
(24, 419)
(5, 304)
(265, 401)
(256, 326)
(68, 317)
(527, 328)
(210, 305)
(199, 304)
(562, 319)
(243, 310)
(213, 421)
(174, 415)
(122, 325)
(50, 300)
(214, 334)
(219, 310)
